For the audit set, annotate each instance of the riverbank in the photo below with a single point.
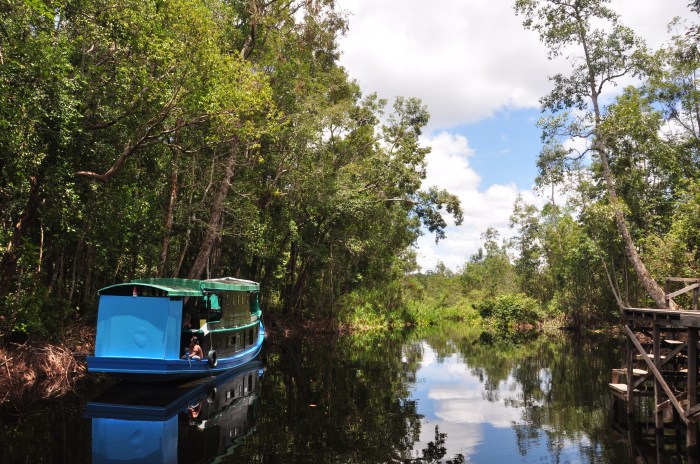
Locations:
(39, 370)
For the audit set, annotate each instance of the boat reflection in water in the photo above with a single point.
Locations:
(188, 423)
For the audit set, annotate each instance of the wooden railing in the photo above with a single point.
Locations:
(694, 287)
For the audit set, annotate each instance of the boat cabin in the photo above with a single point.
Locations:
(156, 318)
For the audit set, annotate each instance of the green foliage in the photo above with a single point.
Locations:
(186, 138)
(436, 297)
(490, 274)
(506, 310)
(686, 222)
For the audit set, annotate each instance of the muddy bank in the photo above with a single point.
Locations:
(35, 371)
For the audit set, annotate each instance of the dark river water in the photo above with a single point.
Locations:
(446, 395)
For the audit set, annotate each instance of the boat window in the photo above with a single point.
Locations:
(250, 382)
(214, 308)
(254, 303)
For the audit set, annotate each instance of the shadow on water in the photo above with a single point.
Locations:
(445, 395)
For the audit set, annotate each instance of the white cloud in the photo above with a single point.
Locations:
(466, 60)
(448, 164)
(463, 59)
(448, 167)
(458, 405)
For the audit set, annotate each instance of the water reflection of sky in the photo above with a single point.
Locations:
(451, 397)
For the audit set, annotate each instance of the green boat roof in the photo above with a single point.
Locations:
(230, 283)
(190, 287)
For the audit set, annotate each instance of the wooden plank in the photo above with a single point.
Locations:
(657, 375)
(682, 279)
(630, 378)
(690, 321)
(694, 411)
(667, 403)
(635, 372)
(651, 356)
(620, 390)
(682, 291)
(616, 373)
(662, 312)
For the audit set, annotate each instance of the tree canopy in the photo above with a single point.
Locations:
(190, 138)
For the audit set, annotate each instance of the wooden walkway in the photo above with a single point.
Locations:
(662, 359)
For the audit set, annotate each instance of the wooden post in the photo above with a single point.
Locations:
(658, 392)
(630, 376)
(667, 290)
(659, 416)
(692, 438)
(696, 292)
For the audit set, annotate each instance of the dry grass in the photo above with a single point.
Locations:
(33, 371)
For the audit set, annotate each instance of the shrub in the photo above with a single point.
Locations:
(508, 309)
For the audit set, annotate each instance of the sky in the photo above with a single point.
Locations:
(481, 75)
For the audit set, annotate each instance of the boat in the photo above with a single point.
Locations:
(200, 420)
(145, 328)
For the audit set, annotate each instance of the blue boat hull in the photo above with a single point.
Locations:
(161, 370)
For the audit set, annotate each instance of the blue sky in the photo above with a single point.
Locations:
(504, 146)
(481, 76)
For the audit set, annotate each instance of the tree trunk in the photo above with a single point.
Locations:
(652, 288)
(171, 208)
(655, 291)
(213, 230)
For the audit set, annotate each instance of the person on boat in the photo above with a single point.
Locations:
(194, 409)
(194, 351)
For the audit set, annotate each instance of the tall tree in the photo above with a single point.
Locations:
(607, 51)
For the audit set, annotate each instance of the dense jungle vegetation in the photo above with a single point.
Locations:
(197, 138)
(194, 139)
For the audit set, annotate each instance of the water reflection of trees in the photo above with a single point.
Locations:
(560, 387)
(335, 400)
(436, 450)
(49, 433)
(348, 400)
(343, 400)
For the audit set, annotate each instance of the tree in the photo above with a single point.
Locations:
(491, 273)
(605, 55)
(191, 138)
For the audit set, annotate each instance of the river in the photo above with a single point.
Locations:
(448, 394)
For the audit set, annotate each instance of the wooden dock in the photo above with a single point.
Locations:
(662, 359)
